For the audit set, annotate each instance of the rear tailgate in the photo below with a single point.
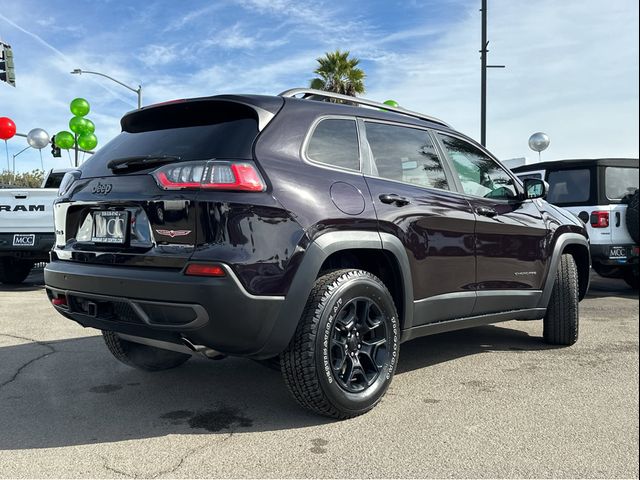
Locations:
(166, 223)
(28, 210)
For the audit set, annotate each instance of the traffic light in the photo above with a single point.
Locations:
(7, 72)
(55, 150)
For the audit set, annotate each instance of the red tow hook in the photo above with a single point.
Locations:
(59, 301)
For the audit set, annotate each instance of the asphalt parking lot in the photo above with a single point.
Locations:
(488, 402)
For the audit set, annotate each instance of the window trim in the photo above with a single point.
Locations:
(449, 175)
(460, 189)
(329, 166)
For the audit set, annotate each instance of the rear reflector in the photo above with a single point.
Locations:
(204, 270)
(599, 219)
(210, 175)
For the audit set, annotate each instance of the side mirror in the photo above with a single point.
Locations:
(535, 188)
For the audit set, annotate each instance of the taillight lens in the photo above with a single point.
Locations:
(599, 219)
(204, 270)
(210, 175)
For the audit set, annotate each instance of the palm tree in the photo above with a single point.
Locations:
(339, 74)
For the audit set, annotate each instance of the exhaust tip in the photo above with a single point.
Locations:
(209, 353)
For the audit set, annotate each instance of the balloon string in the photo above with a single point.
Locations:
(69, 155)
(83, 154)
(41, 161)
(6, 147)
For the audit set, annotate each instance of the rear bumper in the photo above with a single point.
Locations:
(166, 305)
(38, 251)
(601, 254)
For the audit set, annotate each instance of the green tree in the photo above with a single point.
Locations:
(339, 74)
(31, 179)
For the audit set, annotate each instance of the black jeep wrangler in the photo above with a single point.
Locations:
(314, 233)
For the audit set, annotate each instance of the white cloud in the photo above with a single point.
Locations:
(155, 55)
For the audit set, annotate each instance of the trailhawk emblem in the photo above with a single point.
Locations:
(173, 233)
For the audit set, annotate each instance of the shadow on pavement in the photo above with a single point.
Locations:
(73, 392)
(35, 281)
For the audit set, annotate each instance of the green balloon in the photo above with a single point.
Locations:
(65, 140)
(90, 127)
(88, 141)
(392, 103)
(79, 107)
(78, 125)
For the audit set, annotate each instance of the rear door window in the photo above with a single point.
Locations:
(620, 181)
(568, 187)
(334, 141)
(405, 154)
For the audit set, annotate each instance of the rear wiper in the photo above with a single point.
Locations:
(140, 161)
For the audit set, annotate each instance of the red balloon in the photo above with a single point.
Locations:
(7, 128)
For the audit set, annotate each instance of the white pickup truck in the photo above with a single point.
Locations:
(26, 227)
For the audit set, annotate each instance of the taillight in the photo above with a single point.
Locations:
(599, 219)
(210, 175)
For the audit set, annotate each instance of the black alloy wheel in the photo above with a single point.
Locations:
(358, 345)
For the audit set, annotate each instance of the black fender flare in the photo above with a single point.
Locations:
(314, 256)
(562, 242)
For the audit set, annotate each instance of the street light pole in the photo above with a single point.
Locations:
(137, 91)
(483, 76)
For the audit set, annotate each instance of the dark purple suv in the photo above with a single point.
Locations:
(314, 234)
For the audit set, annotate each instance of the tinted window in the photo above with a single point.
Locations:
(405, 154)
(534, 176)
(54, 180)
(569, 186)
(479, 174)
(191, 131)
(335, 142)
(620, 181)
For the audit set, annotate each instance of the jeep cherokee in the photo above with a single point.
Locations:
(315, 234)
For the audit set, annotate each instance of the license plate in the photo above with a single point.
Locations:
(110, 227)
(618, 252)
(24, 240)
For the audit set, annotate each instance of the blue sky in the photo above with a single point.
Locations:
(572, 65)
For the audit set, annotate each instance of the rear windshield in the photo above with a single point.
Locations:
(569, 186)
(191, 132)
(620, 181)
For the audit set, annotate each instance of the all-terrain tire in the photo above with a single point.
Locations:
(561, 320)
(141, 356)
(307, 365)
(14, 270)
(632, 217)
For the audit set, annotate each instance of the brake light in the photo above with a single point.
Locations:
(599, 219)
(210, 175)
(204, 270)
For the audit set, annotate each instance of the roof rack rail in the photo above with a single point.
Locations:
(310, 92)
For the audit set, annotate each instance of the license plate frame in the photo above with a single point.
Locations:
(110, 227)
(618, 253)
(24, 239)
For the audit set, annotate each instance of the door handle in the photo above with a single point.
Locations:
(392, 198)
(486, 212)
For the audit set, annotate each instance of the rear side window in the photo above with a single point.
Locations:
(620, 181)
(569, 186)
(405, 154)
(335, 142)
